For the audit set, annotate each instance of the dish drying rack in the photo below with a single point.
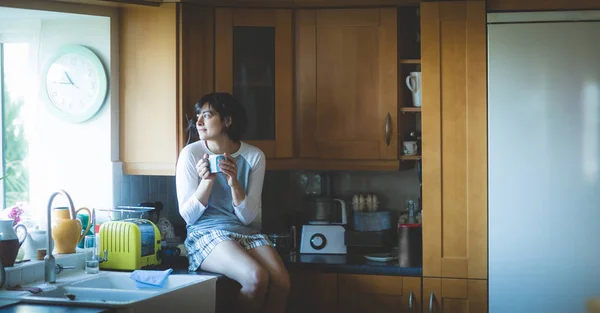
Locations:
(126, 211)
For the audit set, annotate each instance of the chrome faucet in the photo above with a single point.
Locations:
(50, 267)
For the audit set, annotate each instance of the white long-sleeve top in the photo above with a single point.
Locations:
(220, 212)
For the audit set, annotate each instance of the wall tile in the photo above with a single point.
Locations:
(284, 196)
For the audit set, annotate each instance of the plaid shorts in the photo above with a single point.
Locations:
(199, 244)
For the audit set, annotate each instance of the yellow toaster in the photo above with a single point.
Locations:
(131, 244)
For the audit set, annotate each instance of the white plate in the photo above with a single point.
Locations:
(380, 257)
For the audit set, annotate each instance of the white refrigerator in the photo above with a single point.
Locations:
(544, 161)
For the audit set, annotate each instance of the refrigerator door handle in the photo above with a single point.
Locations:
(411, 308)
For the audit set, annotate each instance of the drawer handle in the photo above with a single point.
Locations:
(388, 120)
(431, 302)
(410, 302)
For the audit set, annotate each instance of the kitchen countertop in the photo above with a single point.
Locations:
(348, 264)
(329, 263)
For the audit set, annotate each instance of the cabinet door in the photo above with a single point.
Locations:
(346, 83)
(148, 93)
(446, 295)
(381, 294)
(253, 61)
(454, 124)
(313, 292)
(196, 42)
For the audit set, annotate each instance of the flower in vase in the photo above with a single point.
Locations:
(14, 213)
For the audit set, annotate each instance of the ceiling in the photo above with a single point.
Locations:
(20, 14)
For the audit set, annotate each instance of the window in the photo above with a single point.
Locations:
(14, 63)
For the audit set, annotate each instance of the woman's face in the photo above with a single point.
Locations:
(209, 124)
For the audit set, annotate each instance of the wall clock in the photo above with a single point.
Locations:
(74, 83)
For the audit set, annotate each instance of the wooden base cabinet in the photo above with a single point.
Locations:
(447, 295)
(378, 294)
(349, 293)
(313, 292)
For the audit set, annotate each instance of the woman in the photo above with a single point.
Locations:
(218, 207)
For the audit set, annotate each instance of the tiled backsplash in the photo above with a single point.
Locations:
(283, 192)
(133, 189)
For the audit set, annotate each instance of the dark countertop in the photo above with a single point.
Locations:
(348, 264)
(331, 263)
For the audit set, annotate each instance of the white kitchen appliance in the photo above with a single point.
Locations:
(543, 161)
(323, 239)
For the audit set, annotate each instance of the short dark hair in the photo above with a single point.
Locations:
(228, 107)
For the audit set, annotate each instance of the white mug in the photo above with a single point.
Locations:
(213, 161)
(410, 148)
(413, 82)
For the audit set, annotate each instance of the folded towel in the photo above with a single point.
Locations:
(150, 279)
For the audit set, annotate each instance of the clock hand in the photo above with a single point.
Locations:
(70, 81)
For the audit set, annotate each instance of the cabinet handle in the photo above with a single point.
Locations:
(431, 302)
(410, 302)
(388, 120)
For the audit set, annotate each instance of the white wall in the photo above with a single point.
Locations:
(74, 157)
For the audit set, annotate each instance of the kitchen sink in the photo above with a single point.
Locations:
(121, 280)
(185, 293)
(90, 295)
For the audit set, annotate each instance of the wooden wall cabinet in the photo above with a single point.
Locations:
(446, 295)
(381, 294)
(148, 94)
(164, 68)
(254, 62)
(346, 84)
(454, 139)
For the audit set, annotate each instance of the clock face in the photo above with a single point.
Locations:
(75, 84)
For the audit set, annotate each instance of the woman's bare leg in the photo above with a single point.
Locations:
(279, 279)
(231, 260)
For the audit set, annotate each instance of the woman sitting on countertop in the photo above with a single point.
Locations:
(219, 207)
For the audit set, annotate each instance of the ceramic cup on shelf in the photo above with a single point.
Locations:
(413, 82)
(409, 148)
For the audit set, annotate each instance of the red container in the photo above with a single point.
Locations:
(410, 245)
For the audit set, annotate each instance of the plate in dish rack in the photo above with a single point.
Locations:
(380, 257)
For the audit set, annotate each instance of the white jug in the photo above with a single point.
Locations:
(413, 82)
(36, 239)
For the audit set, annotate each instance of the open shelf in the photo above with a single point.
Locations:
(410, 109)
(410, 61)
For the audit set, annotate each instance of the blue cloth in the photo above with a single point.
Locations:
(150, 279)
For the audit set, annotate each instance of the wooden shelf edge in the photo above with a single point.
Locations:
(410, 157)
(334, 165)
(410, 109)
(153, 169)
(410, 61)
